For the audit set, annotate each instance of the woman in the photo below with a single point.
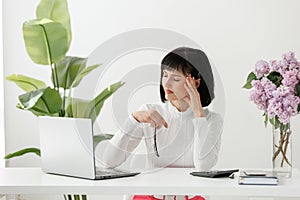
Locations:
(179, 131)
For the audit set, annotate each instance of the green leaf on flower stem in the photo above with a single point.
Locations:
(250, 78)
(266, 119)
(272, 121)
(275, 122)
(275, 78)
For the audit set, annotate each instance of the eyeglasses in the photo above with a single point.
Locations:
(155, 144)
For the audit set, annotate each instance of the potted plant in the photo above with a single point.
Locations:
(47, 40)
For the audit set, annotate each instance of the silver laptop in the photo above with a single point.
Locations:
(67, 148)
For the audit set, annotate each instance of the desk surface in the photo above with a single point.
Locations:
(162, 181)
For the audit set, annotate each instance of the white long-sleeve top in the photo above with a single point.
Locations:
(187, 142)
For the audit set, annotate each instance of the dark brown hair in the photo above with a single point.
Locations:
(194, 62)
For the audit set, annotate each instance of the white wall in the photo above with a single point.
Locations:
(234, 34)
(2, 142)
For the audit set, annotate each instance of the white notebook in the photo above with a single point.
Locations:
(257, 178)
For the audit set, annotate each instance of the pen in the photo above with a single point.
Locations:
(155, 144)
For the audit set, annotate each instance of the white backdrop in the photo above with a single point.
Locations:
(233, 33)
(2, 143)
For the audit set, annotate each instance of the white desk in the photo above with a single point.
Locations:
(162, 181)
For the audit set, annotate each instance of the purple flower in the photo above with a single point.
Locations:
(284, 104)
(262, 92)
(275, 65)
(277, 100)
(289, 56)
(290, 79)
(261, 68)
(288, 62)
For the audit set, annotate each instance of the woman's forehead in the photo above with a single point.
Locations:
(173, 72)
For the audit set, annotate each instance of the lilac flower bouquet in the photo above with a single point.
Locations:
(275, 89)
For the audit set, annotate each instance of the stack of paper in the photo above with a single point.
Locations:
(257, 178)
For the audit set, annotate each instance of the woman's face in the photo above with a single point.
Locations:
(173, 83)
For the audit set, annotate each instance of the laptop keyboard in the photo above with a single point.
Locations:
(106, 174)
(103, 173)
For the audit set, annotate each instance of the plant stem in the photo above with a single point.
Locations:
(279, 148)
(64, 103)
(56, 85)
(53, 78)
(285, 149)
(70, 103)
(52, 66)
(55, 74)
(282, 144)
(49, 56)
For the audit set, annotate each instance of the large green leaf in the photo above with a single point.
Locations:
(97, 139)
(46, 101)
(56, 10)
(83, 73)
(275, 77)
(22, 152)
(46, 41)
(68, 69)
(76, 107)
(101, 137)
(96, 104)
(28, 84)
(71, 70)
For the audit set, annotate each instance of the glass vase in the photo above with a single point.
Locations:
(282, 150)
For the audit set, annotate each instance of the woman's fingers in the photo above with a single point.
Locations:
(187, 98)
(192, 92)
(152, 117)
(157, 120)
(193, 98)
(190, 82)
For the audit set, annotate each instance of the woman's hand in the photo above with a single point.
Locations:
(193, 98)
(152, 117)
